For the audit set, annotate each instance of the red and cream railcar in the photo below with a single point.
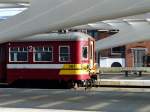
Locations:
(48, 57)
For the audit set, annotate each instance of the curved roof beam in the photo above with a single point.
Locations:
(129, 32)
(48, 15)
(15, 1)
(93, 26)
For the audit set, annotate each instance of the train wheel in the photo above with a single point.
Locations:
(70, 84)
(89, 83)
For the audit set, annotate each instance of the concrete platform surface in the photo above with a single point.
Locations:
(119, 79)
(36, 110)
(118, 82)
(70, 100)
(121, 76)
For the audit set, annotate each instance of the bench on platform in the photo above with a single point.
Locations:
(134, 70)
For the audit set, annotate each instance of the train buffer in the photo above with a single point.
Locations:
(133, 70)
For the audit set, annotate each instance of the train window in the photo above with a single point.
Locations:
(43, 54)
(18, 54)
(64, 53)
(14, 49)
(85, 52)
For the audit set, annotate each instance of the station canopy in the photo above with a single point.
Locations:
(129, 27)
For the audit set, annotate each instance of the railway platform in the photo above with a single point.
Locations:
(36, 110)
(119, 79)
(100, 99)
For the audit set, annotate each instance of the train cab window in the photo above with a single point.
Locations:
(18, 54)
(64, 53)
(85, 52)
(43, 54)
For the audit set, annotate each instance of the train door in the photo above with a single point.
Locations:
(2, 64)
(138, 54)
(146, 62)
(88, 54)
(91, 54)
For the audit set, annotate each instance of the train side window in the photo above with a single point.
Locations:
(85, 52)
(43, 54)
(18, 54)
(64, 53)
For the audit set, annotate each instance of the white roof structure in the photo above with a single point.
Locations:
(96, 26)
(47, 15)
(71, 36)
(131, 30)
(15, 1)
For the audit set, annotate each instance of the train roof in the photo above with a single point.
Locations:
(57, 37)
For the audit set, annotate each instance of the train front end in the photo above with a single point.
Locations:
(82, 66)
